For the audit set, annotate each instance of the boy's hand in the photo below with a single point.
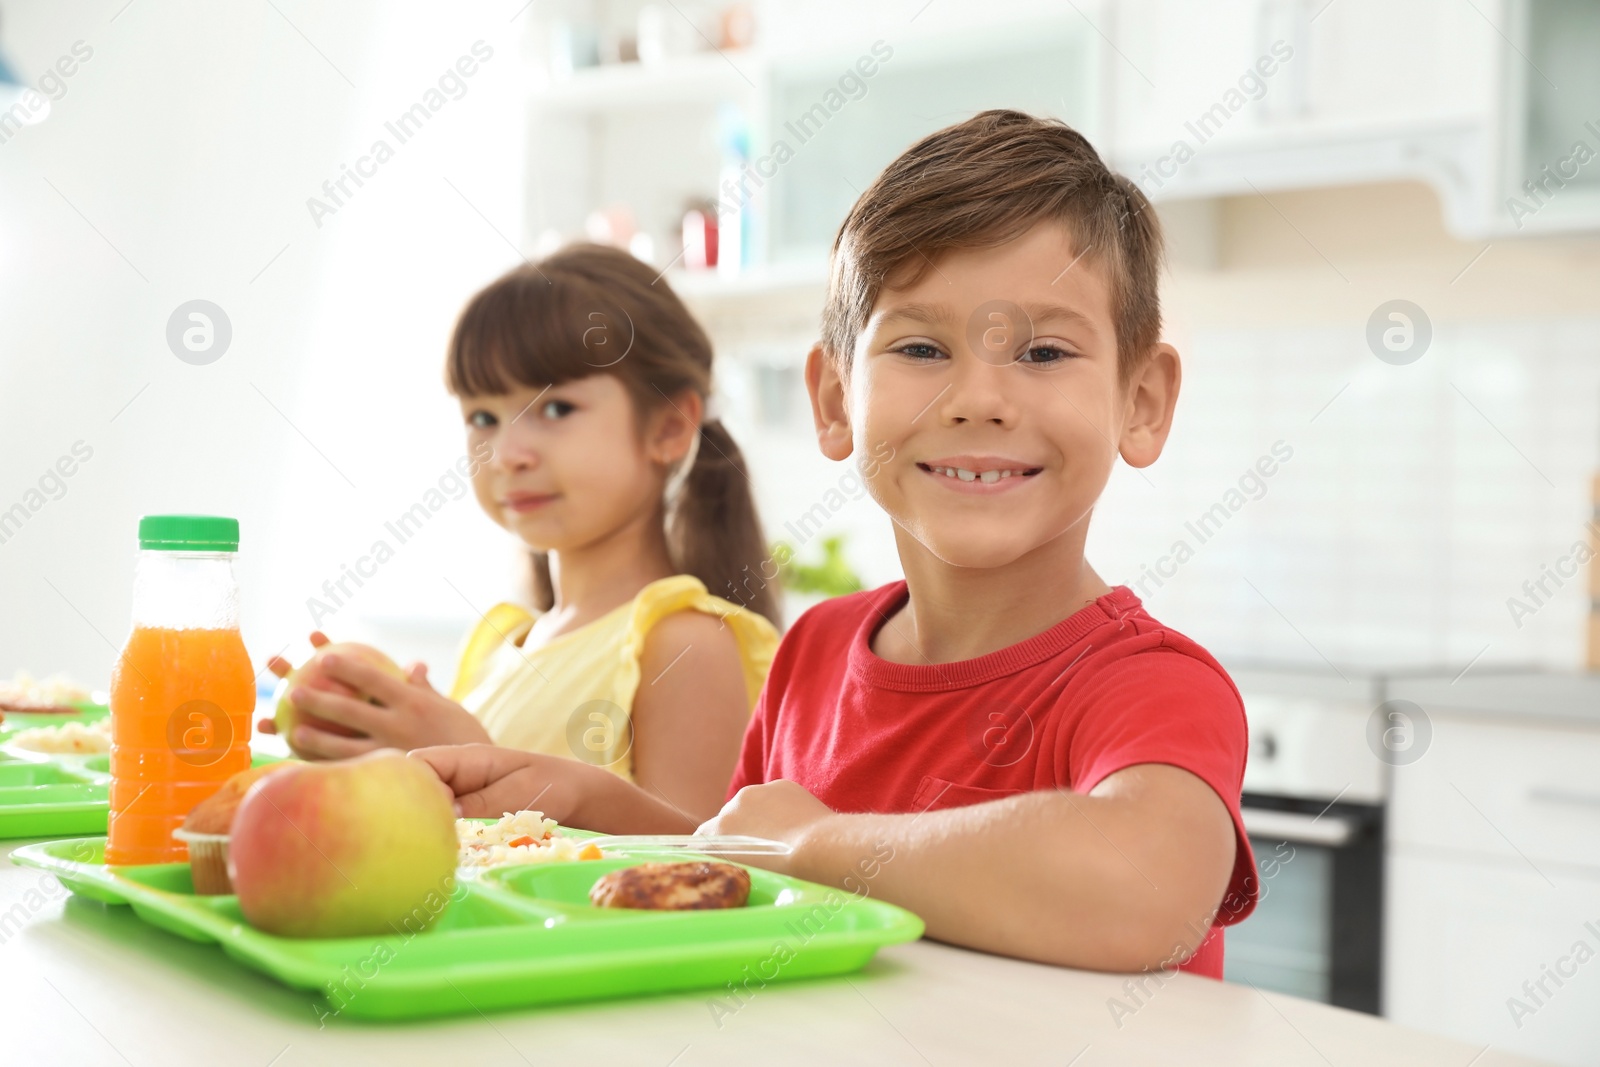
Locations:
(390, 713)
(489, 781)
(780, 811)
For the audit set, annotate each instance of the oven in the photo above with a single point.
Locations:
(1317, 931)
(1314, 808)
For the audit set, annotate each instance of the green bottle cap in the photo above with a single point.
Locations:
(189, 533)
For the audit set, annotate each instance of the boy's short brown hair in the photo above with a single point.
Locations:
(984, 182)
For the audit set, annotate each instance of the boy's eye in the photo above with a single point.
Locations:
(1044, 354)
(919, 350)
(480, 420)
(555, 409)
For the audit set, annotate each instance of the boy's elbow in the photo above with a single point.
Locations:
(1139, 927)
(1140, 941)
(1164, 941)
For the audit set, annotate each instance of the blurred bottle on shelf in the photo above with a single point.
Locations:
(700, 237)
(573, 46)
(736, 26)
(736, 184)
(1594, 580)
(665, 34)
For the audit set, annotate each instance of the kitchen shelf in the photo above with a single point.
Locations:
(754, 282)
(703, 78)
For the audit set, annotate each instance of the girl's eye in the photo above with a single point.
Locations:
(919, 350)
(480, 420)
(1044, 354)
(556, 409)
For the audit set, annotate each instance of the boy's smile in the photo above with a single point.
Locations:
(980, 474)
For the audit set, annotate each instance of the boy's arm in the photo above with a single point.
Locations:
(1126, 877)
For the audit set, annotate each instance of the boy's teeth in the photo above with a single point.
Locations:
(968, 476)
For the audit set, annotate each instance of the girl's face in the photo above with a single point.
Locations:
(569, 465)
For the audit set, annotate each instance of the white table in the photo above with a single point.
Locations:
(86, 984)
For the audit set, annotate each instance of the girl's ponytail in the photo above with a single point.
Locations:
(713, 530)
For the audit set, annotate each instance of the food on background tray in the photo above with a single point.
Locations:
(345, 849)
(519, 837)
(689, 886)
(70, 738)
(54, 695)
(312, 675)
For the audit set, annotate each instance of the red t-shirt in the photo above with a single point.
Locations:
(1104, 689)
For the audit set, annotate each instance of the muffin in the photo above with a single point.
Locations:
(205, 829)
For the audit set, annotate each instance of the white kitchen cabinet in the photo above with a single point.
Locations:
(1463, 935)
(1493, 876)
(1517, 791)
(1235, 97)
(1550, 176)
(1304, 68)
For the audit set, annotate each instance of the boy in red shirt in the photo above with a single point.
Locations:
(1002, 742)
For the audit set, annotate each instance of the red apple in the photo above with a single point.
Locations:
(345, 849)
(312, 675)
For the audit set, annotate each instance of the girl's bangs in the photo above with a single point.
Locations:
(524, 330)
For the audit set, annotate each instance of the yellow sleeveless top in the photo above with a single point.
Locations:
(573, 697)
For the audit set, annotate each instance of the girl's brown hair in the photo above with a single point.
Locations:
(589, 309)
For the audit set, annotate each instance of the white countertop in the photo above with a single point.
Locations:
(86, 984)
(1558, 697)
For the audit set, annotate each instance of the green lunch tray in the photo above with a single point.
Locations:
(45, 795)
(54, 794)
(514, 936)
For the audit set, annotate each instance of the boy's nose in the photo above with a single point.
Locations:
(980, 392)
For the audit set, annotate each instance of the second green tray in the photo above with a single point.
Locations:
(55, 794)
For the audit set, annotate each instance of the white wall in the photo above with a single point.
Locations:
(191, 141)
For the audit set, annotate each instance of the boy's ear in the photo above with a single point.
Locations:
(828, 409)
(1152, 394)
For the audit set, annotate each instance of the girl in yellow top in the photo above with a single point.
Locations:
(583, 383)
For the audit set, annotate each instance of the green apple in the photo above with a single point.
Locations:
(312, 675)
(345, 849)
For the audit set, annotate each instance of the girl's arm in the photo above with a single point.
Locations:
(689, 713)
(688, 719)
(1126, 877)
(489, 781)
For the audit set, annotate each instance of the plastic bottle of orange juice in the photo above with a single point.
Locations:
(182, 691)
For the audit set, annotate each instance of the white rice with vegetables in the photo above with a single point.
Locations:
(518, 837)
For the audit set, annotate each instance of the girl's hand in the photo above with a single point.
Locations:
(390, 713)
(489, 781)
(780, 811)
(281, 667)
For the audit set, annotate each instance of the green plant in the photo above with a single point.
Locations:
(833, 576)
